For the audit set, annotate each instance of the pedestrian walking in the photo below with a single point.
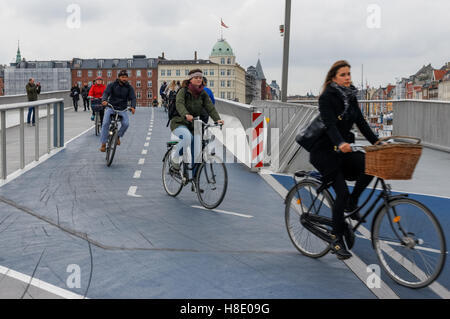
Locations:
(33, 90)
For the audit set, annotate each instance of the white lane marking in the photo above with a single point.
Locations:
(141, 161)
(137, 174)
(223, 212)
(132, 192)
(355, 264)
(144, 152)
(148, 138)
(40, 284)
(146, 144)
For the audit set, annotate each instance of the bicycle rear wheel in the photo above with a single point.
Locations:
(111, 148)
(172, 179)
(211, 182)
(298, 202)
(409, 243)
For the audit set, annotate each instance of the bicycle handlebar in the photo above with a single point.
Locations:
(112, 106)
(206, 124)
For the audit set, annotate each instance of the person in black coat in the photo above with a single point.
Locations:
(85, 93)
(332, 154)
(75, 95)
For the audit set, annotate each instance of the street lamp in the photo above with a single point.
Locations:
(287, 33)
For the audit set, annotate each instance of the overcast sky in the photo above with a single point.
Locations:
(406, 34)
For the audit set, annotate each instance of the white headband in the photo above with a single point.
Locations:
(193, 75)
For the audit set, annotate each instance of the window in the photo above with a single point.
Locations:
(229, 95)
(138, 84)
(211, 72)
(138, 73)
(90, 83)
(178, 72)
(229, 61)
(222, 95)
(79, 83)
(222, 61)
(163, 72)
(109, 73)
(211, 83)
(99, 73)
(79, 73)
(149, 95)
(228, 72)
(228, 84)
(169, 72)
(130, 63)
(186, 72)
(130, 73)
(89, 73)
(149, 84)
(222, 72)
(138, 95)
(222, 84)
(205, 72)
(149, 73)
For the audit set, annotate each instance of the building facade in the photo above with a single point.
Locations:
(2, 76)
(226, 78)
(178, 70)
(142, 74)
(53, 76)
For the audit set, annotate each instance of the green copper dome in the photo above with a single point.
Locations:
(222, 48)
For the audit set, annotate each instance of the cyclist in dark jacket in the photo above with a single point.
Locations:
(118, 94)
(84, 94)
(332, 155)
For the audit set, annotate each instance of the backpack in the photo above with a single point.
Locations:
(172, 108)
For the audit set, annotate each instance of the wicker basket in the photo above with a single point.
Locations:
(393, 161)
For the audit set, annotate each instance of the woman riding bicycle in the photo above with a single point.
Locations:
(190, 101)
(96, 93)
(332, 155)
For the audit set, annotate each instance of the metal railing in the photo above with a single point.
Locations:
(58, 130)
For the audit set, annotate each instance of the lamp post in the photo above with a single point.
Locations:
(287, 33)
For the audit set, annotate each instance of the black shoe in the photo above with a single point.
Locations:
(338, 248)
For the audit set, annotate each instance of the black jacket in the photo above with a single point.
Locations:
(331, 105)
(85, 91)
(75, 92)
(118, 95)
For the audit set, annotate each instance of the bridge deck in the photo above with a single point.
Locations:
(73, 210)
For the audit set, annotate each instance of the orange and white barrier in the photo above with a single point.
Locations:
(257, 140)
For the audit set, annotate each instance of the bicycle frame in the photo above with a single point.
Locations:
(384, 196)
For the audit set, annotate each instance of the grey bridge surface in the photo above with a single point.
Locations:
(73, 210)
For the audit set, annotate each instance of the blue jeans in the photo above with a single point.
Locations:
(186, 140)
(107, 122)
(31, 111)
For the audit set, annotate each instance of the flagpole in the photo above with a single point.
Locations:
(285, 70)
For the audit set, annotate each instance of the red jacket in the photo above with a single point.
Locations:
(97, 91)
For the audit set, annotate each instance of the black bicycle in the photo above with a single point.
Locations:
(210, 180)
(406, 236)
(113, 135)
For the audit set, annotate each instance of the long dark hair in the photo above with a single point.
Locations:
(186, 82)
(333, 71)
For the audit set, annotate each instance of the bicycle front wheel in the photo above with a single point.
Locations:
(301, 200)
(172, 179)
(97, 125)
(409, 243)
(211, 182)
(111, 148)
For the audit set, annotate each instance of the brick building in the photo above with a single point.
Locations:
(2, 76)
(142, 73)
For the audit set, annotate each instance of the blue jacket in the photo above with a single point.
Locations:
(211, 95)
(118, 95)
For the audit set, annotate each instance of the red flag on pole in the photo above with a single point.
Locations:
(223, 24)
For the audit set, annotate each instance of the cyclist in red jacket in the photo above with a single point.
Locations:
(96, 93)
